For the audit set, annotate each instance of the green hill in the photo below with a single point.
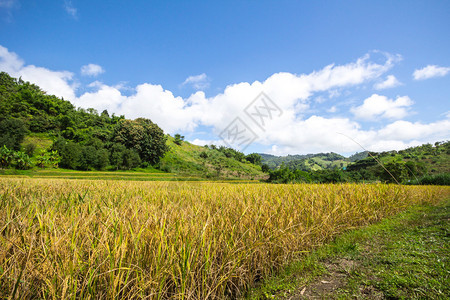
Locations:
(406, 165)
(425, 164)
(42, 131)
(187, 158)
(308, 162)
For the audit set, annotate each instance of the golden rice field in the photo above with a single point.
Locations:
(166, 240)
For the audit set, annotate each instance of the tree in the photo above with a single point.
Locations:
(102, 159)
(116, 157)
(22, 160)
(87, 158)
(178, 139)
(70, 155)
(144, 136)
(254, 158)
(6, 156)
(12, 133)
(131, 159)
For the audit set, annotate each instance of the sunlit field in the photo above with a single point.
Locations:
(64, 238)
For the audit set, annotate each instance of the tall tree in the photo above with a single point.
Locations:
(144, 136)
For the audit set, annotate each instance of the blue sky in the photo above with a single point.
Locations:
(376, 71)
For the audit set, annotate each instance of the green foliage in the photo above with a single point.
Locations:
(208, 161)
(29, 149)
(131, 159)
(358, 156)
(82, 137)
(12, 133)
(102, 159)
(253, 158)
(229, 152)
(306, 162)
(48, 158)
(22, 161)
(70, 154)
(438, 179)
(123, 158)
(144, 136)
(87, 158)
(18, 159)
(178, 139)
(6, 157)
(405, 166)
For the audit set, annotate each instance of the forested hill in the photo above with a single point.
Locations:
(40, 130)
(429, 164)
(311, 162)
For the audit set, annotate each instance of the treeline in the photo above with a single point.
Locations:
(425, 164)
(82, 138)
(253, 158)
(310, 162)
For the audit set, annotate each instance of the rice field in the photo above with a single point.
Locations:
(98, 239)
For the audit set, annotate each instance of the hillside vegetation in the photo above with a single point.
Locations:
(211, 162)
(425, 164)
(44, 131)
(310, 162)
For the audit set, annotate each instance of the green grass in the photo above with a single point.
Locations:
(41, 141)
(403, 257)
(185, 159)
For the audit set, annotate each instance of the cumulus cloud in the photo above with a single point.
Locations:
(294, 131)
(199, 82)
(59, 83)
(377, 106)
(430, 71)
(390, 82)
(318, 134)
(10, 62)
(91, 70)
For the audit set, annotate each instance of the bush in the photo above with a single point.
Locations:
(12, 133)
(22, 161)
(438, 179)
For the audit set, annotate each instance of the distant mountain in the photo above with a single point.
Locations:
(310, 162)
(425, 164)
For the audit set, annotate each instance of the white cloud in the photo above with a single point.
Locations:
(53, 82)
(9, 61)
(200, 142)
(318, 134)
(92, 70)
(59, 83)
(199, 82)
(404, 130)
(377, 106)
(70, 9)
(390, 82)
(430, 71)
(291, 132)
